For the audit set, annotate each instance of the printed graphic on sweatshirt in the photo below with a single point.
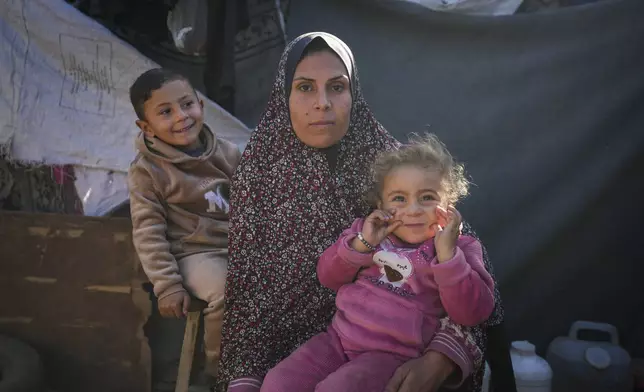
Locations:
(394, 267)
(218, 198)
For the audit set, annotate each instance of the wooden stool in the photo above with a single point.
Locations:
(189, 343)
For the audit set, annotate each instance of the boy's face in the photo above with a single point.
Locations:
(173, 114)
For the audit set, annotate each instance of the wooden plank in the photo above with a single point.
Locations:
(74, 290)
(27, 238)
(187, 351)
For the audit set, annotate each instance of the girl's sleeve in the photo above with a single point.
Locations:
(340, 263)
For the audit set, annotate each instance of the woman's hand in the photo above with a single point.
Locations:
(445, 239)
(377, 226)
(424, 374)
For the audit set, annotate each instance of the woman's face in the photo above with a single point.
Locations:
(320, 101)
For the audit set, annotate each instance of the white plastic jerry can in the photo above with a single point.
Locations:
(590, 366)
(531, 372)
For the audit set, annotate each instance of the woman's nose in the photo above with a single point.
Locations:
(323, 102)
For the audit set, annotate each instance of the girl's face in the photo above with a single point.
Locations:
(412, 194)
(320, 100)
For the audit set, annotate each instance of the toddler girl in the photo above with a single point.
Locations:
(396, 273)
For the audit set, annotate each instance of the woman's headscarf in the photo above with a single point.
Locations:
(287, 207)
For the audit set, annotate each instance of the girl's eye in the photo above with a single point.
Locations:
(188, 104)
(398, 198)
(164, 112)
(428, 198)
(305, 87)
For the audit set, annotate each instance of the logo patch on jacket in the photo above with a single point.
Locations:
(218, 198)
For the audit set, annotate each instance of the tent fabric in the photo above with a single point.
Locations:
(64, 98)
(64, 89)
(547, 111)
(100, 191)
(469, 7)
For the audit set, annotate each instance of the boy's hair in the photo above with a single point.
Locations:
(153, 79)
(426, 152)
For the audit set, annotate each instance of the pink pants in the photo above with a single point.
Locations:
(322, 365)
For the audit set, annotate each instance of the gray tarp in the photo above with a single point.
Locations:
(547, 110)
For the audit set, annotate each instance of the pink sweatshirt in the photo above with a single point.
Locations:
(392, 299)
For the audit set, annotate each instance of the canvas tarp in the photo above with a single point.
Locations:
(64, 83)
(547, 111)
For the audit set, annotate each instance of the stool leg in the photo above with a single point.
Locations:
(187, 352)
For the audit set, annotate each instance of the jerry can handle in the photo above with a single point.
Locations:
(593, 326)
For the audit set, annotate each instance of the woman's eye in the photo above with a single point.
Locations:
(305, 87)
(338, 88)
(188, 104)
(164, 112)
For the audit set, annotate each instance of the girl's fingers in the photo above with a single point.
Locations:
(383, 215)
(393, 226)
(455, 213)
(377, 218)
(452, 229)
(453, 222)
(438, 234)
(441, 216)
(394, 214)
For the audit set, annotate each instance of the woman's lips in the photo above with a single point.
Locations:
(322, 123)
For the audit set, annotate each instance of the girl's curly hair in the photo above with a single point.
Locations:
(426, 152)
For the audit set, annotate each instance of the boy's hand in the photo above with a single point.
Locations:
(445, 239)
(175, 305)
(376, 228)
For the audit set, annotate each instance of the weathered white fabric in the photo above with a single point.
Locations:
(64, 83)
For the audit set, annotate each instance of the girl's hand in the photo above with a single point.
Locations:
(445, 239)
(377, 226)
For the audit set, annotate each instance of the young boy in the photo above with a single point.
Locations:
(178, 187)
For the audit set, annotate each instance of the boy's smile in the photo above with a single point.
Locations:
(174, 114)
